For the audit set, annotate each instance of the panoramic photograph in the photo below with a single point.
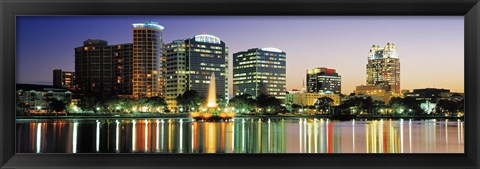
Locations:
(240, 84)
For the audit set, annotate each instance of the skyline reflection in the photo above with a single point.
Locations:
(244, 135)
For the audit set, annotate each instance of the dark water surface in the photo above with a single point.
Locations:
(243, 135)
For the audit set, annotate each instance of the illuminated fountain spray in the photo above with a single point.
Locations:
(211, 113)
(212, 93)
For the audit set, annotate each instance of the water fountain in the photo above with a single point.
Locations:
(211, 112)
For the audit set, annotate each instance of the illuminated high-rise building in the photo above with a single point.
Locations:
(130, 70)
(260, 71)
(383, 68)
(190, 63)
(102, 68)
(147, 44)
(176, 71)
(323, 80)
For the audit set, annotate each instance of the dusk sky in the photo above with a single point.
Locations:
(431, 48)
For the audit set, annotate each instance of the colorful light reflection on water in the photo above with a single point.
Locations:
(244, 135)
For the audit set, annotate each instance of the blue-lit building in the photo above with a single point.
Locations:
(189, 64)
(260, 71)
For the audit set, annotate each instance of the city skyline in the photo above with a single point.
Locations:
(311, 38)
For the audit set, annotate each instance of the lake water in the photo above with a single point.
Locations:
(243, 135)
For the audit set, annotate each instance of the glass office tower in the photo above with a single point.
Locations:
(383, 67)
(260, 71)
(190, 63)
(323, 80)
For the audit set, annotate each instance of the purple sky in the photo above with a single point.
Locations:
(431, 48)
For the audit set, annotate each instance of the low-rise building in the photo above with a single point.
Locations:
(308, 99)
(376, 93)
(430, 94)
(64, 79)
(33, 98)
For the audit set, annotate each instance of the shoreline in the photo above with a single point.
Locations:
(171, 116)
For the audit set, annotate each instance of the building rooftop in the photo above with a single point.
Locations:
(271, 49)
(207, 38)
(149, 24)
(28, 87)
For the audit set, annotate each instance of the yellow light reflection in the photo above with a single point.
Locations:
(180, 148)
(210, 136)
(134, 135)
(401, 135)
(146, 136)
(231, 126)
(353, 136)
(195, 136)
(410, 134)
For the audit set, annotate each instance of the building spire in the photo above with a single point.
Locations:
(303, 86)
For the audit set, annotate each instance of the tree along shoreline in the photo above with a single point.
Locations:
(284, 116)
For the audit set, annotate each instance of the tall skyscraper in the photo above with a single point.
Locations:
(176, 71)
(323, 80)
(147, 45)
(260, 71)
(99, 67)
(383, 67)
(190, 63)
(131, 70)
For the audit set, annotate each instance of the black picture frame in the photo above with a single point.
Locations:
(470, 9)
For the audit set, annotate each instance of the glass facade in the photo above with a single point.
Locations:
(323, 80)
(260, 71)
(190, 63)
(383, 67)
